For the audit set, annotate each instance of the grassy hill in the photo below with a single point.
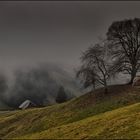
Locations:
(116, 124)
(93, 115)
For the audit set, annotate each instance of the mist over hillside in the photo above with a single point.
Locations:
(40, 84)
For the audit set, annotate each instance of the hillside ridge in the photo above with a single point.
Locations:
(20, 123)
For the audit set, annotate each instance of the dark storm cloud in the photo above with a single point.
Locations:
(32, 32)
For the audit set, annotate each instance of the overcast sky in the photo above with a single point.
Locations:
(34, 32)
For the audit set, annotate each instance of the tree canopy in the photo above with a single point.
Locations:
(124, 38)
(95, 68)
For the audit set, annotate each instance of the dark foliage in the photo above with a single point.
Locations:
(95, 69)
(124, 37)
(61, 95)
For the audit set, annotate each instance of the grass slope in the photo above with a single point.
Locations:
(117, 124)
(41, 121)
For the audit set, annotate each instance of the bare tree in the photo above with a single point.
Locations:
(124, 38)
(87, 76)
(95, 67)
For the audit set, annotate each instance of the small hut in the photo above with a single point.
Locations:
(27, 104)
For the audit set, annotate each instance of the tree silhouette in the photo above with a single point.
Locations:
(124, 38)
(95, 69)
(61, 96)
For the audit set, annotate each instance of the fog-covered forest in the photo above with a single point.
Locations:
(39, 84)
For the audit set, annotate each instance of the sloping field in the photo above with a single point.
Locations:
(75, 115)
(117, 124)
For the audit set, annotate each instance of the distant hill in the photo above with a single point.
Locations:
(93, 115)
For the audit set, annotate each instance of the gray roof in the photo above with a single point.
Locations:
(25, 104)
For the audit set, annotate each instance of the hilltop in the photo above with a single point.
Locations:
(93, 115)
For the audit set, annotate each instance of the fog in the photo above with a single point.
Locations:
(40, 84)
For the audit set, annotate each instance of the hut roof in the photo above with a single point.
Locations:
(26, 104)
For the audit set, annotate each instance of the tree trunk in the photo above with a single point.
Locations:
(133, 75)
(93, 86)
(106, 90)
(131, 81)
(105, 87)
